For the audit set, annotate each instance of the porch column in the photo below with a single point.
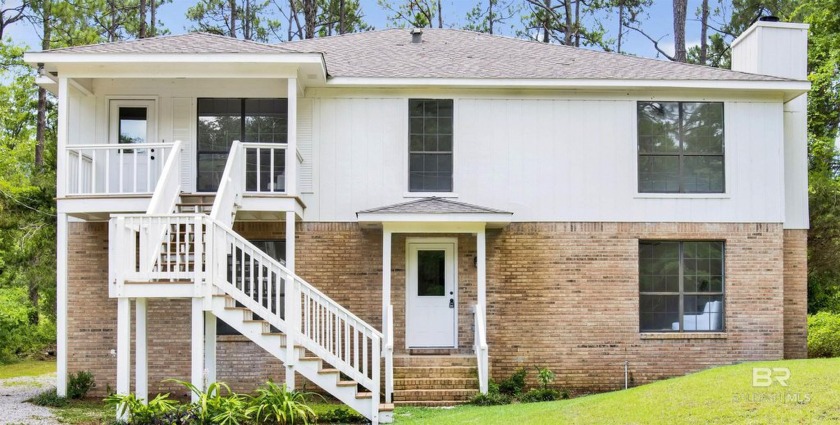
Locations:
(123, 346)
(291, 138)
(291, 316)
(481, 272)
(197, 358)
(61, 304)
(386, 276)
(141, 363)
(210, 346)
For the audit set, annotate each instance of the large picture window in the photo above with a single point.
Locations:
(681, 286)
(222, 120)
(430, 145)
(681, 147)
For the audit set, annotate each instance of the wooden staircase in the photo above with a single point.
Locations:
(195, 203)
(434, 380)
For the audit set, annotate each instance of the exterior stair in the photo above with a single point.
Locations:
(195, 203)
(434, 380)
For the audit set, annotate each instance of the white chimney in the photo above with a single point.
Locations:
(780, 49)
(772, 48)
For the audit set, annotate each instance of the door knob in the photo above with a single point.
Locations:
(451, 303)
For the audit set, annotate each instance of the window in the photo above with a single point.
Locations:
(681, 286)
(680, 147)
(430, 145)
(221, 121)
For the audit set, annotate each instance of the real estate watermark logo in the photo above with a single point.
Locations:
(771, 385)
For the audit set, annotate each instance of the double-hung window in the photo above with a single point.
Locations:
(430, 145)
(681, 286)
(681, 147)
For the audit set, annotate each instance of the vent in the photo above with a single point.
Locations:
(769, 19)
(416, 35)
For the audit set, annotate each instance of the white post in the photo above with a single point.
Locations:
(62, 137)
(292, 317)
(386, 276)
(141, 363)
(210, 346)
(123, 346)
(481, 285)
(61, 305)
(197, 375)
(291, 149)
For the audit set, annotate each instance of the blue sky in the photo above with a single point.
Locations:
(658, 23)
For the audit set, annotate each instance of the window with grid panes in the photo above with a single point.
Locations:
(430, 145)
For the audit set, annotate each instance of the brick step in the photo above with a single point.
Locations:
(417, 403)
(434, 361)
(435, 383)
(434, 395)
(436, 372)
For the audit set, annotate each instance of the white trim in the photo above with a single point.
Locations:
(33, 58)
(682, 196)
(432, 242)
(197, 342)
(210, 346)
(435, 227)
(465, 218)
(386, 277)
(431, 194)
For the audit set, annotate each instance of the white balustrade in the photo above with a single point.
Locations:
(114, 169)
(481, 350)
(265, 167)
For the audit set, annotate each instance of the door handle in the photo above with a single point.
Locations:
(451, 303)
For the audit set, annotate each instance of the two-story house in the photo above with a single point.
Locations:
(399, 216)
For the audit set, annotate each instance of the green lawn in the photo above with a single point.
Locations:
(26, 368)
(720, 395)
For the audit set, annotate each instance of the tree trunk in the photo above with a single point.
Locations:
(546, 22)
(567, 36)
(704, 26)
(152, 30)
(577, 23)
(341, 17)
(233, 18)
(679, 30)
(142, 31)
(620, 25)
(41, 126)
(490, 16)
(246, 21)
(309, 12)
(440, 13)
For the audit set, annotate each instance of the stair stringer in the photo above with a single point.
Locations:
(275, 344)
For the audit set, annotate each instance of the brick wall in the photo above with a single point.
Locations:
(796, 294)
(561, 295)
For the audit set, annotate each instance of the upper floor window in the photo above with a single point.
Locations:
(680, 147)
(430, 145)
(681, 286)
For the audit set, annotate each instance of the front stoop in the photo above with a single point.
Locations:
(434, 380)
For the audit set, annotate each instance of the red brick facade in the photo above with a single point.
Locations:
(560, 295)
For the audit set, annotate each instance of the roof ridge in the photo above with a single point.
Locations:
(170, 36)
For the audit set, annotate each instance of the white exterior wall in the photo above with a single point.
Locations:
(544, 159)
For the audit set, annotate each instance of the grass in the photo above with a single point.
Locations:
(27, 368)
(720, 395)
(84, 412)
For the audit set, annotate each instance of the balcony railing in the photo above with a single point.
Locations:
(265, 167)
(115, 169)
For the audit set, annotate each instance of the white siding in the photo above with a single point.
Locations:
(304, 139)
(542, 159)
(183, 121)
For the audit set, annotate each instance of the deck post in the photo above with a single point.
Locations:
(291, 138)
(481, 266)
(291, 315)
(123, 347)
(141, 363)
(197, 359)
(386, 276)
(210, 346)
(61, 305)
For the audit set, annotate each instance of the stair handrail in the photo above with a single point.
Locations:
(231, 186)
(299, 331)
(481, 349)
(165, 197)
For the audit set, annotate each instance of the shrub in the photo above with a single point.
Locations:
(491, 399)
(79, 384)
(275, 404)
(213, 406)
(341, 415)
(514, 385)
(543, 394)
(49, 398)
(159, 410)
(545, 376)
(19, 337)
(824, 335)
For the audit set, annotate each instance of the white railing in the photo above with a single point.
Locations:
(231, 187)
(389, 354)
(168, 188)
(265, 167)
(197, 247)
(480, 348)
(114, 169)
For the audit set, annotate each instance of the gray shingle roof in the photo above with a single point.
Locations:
(450, 53)
(433, 206)
(196, 42)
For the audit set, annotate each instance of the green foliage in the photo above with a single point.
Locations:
(824, 335)
(19, 338)
(275, 404)
(515, 384)
(492, 398)
(542, 394)
(79, 384)
(545, 376)
(49, 398)
(138, 412)
(341, 415)
(252, 20)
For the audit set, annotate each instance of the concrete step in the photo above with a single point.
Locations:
(435, 361)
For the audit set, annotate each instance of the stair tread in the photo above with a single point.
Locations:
(347, 383)
(327, 370)
(364, 395)
(386, 407)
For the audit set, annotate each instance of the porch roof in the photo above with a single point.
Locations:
(434, 210)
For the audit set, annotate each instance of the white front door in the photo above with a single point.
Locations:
(134, 122)
(431, 299)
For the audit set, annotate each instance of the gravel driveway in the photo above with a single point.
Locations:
(13, 395)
